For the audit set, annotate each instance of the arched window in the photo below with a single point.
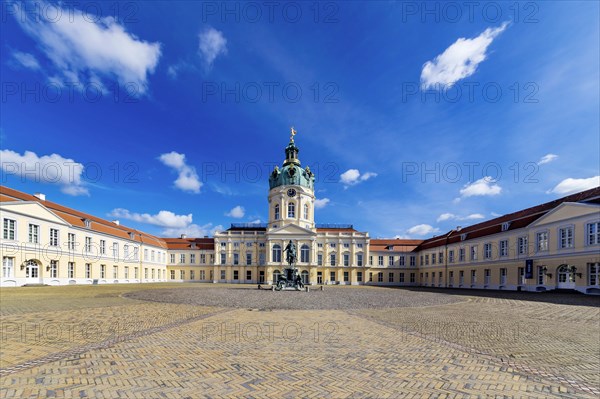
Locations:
(276, 217)
(31, 269)
(304, 253)
(276, 253)
(291, 210)
(305, 211)
(304, 275)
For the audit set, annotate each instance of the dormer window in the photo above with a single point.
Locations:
(463, 237)
(194, 245)
(87, 223)
(131, 235)
(505, 226)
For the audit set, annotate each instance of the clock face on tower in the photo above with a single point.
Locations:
(291, 192)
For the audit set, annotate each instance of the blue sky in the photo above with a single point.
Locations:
(415, 117)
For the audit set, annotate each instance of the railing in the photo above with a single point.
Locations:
(333, 226)
(248, 225)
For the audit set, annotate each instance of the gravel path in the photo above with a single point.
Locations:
(330, 298)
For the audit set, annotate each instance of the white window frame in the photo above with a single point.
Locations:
(9, 229)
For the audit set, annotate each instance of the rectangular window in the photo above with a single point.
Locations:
(152, 254)
(8, 231)
(422, 260)
(370, 277)
(202, 275)
(592, 233)
(359, 245)
(522, 244)
(223, 258)
(401, 278)
(71, 241)
(401, 260)
(88, 244)
(172, 274)
(450, 278)
(346, 277)
(461, 254)
(380, 277)
(474, 252)
(413, 260)
(34, 233)
(248, 274)
(332, 245)
(222, 274)
(102, 247)
(146, 273)
(487, 273)
(235, 275)
(487, 251)
(332, 259)
(380, 260)
(390, 277)
(390, 261)
(126, 252)
(136, 253)
(346, 245)
(540, 275)
(236, 259)
(359, 277)
(359, 260)
(192, 259)
(413, 277)
(461, 278)
(594, 274)
(115, 271)
(565, 236)
(172, 256)
(521, 275)
(53, 269)
(346, 259)
(146, 256)
(126, 272)
(71, 270)
(433, 257)
(542, 241)
(192, 275)
(332, 277)
(451, 256)
(441, 257)
(473, 277)
(182, 274)
(248, 259)
(503, 248)
(502, 276)
(102, 271)
(54, 237)
(320, 259)
(203, 259)
(223, 244)
(181, 258)
(88, 270)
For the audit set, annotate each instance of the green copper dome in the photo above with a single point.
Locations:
(291, 172)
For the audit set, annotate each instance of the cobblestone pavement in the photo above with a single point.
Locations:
(94, 342)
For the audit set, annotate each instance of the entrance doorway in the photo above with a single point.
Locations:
(32, 272)
(566, 277)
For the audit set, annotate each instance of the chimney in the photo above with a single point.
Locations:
(183, 236)
(205, 236)
(458, 228)
(116, 222)
(40, 196)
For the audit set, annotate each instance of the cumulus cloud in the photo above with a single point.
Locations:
(422, 229)
(188, 178)
(162, 218)
(571, 185)
(82, 46)
(484, 186)
(193, 230)
(547, 159)
(321, 203)
(237, 212)
(26, 60)
(450, 216)
(353, 176)
(212, 43)
(458, 61)
(53, 169)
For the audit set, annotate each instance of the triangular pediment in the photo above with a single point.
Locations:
(33, 209)
(291, 230)
(567, 211)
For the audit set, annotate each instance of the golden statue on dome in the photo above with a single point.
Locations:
(293, 132)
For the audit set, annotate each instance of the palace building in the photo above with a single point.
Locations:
(555, 245)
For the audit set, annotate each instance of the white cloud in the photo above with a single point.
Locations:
(193, 230)
(212, 44)
(484, 186)
(570, 185)
(321, 203)
(450, 216)
(255, 221)
(353, 176)
(26, 60)
(162, 218)
(237, 212)
(188, 178)
(547, 159)
(83, 45)
(422, 229)
(52, 169)
(458, 61)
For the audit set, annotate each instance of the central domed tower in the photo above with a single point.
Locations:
(291, 191)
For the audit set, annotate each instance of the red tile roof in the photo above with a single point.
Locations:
(188, 243)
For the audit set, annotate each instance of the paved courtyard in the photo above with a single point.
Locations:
(184, 340)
